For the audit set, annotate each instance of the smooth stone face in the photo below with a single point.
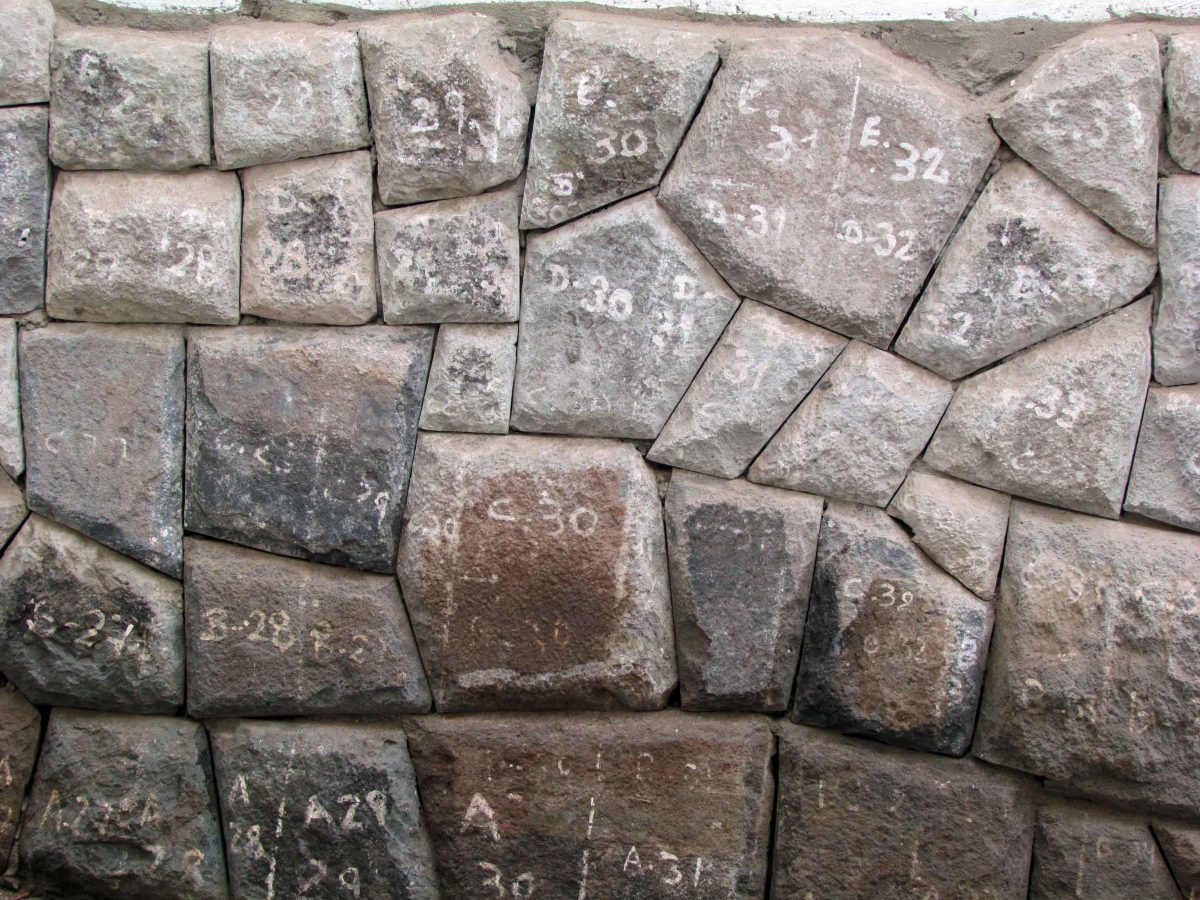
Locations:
(26, 30)
(817, 186)
(619, 313)
(1180, 844)
(12, 446)
(12, 508)
(308, 249)
(321, 810)
(471, 380)
(1058, 422)
(282, 92)
(535, 574)
(24, 203)
(1182, 82)
(741, 562)
(648, 806)
(20, 732)
(270, 636)
(613, 103)
(1177, 325)
(960, 526)
(1165, 481)
(765, 363)
(1091, 678)
(1028, 263)
(128, 99)
(1087, 117)
(299, 440)
(856, 433)
(103, 413)
(145, 247)
(451, 261)
(857, 819)
(448, 112)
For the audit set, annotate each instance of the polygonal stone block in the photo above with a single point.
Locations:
(1180, 845)
(471, 380)
(448, 112)
(20, 732)
(299, 440)
(13, 510)
(12, 446)
(26, 30)
(145, 247)
(1164, 483)
(1177, 323)
(1091, 681)
(741, 562)
(123, 806)
(815, 186)
(857, 432)
(614, 100)
(102, 407)
(619, 312)
(1027, 263)
(271, 636)
(648, 806)
(285, 91)
(24, 203)
(765, 363)
(308, 249)
(128, 99)
(535, 574)
(1181, 79)
(1057, 422)
(321, 810)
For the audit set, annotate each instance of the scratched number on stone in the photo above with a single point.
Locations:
(882, 237)
(277, 630)
(94, 629)
(551, 515)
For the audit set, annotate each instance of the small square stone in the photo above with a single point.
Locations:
(26, 30)
(470, 383)
(1165, 481)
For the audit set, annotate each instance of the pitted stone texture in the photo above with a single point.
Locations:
(1180, 846)
(20, 731)
(1164, 483)
(1177, 326)
(1182, 82)
(145, 247)
(857, 819)
(123, 806)
(816, 184)
(619, 312)
(613, 103)
(85, 626)
(103, 413)
(12, 446)
(647, 806)
(26, 30)
(24, 203)
(451, 261)
(961, 526)
(308, 241)
(471, 380)
(1028, 263)
(535, 574)
(127, 99)
(12, 508)
(1092, 678)
(283, 92)
(448, 111)
(1087, 117)
(270, 636)
(856, 433)
(894, 648)
(1058, 422)
(741, 562)
(321, 810)
(300, 440)
(765, 363)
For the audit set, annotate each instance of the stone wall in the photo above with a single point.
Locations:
(598, 457)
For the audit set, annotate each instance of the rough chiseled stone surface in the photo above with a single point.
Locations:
(1180, 845)
(126, 99)
(24, 203)
(12, 446)
(448, 111)
(535, 574)
(20, 731)
(271, 636)
(123, 806)
(650, 806)
(858, 431)
(815, 183)
(1028, 263)
(1087, 117)
(145, 247)
(308, 251)
(761, 368)
(102, 407)
(618, 314)
(1091, 677)
(471, 379)
(12, 508)
(613, 103)
(1058, 422)
(857, 819)
(741, 560)
(1182, 82)
(1164, 483)
(321, 810)
(282, 92)
(26, 30)
(1177, 324)
(299, 440)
